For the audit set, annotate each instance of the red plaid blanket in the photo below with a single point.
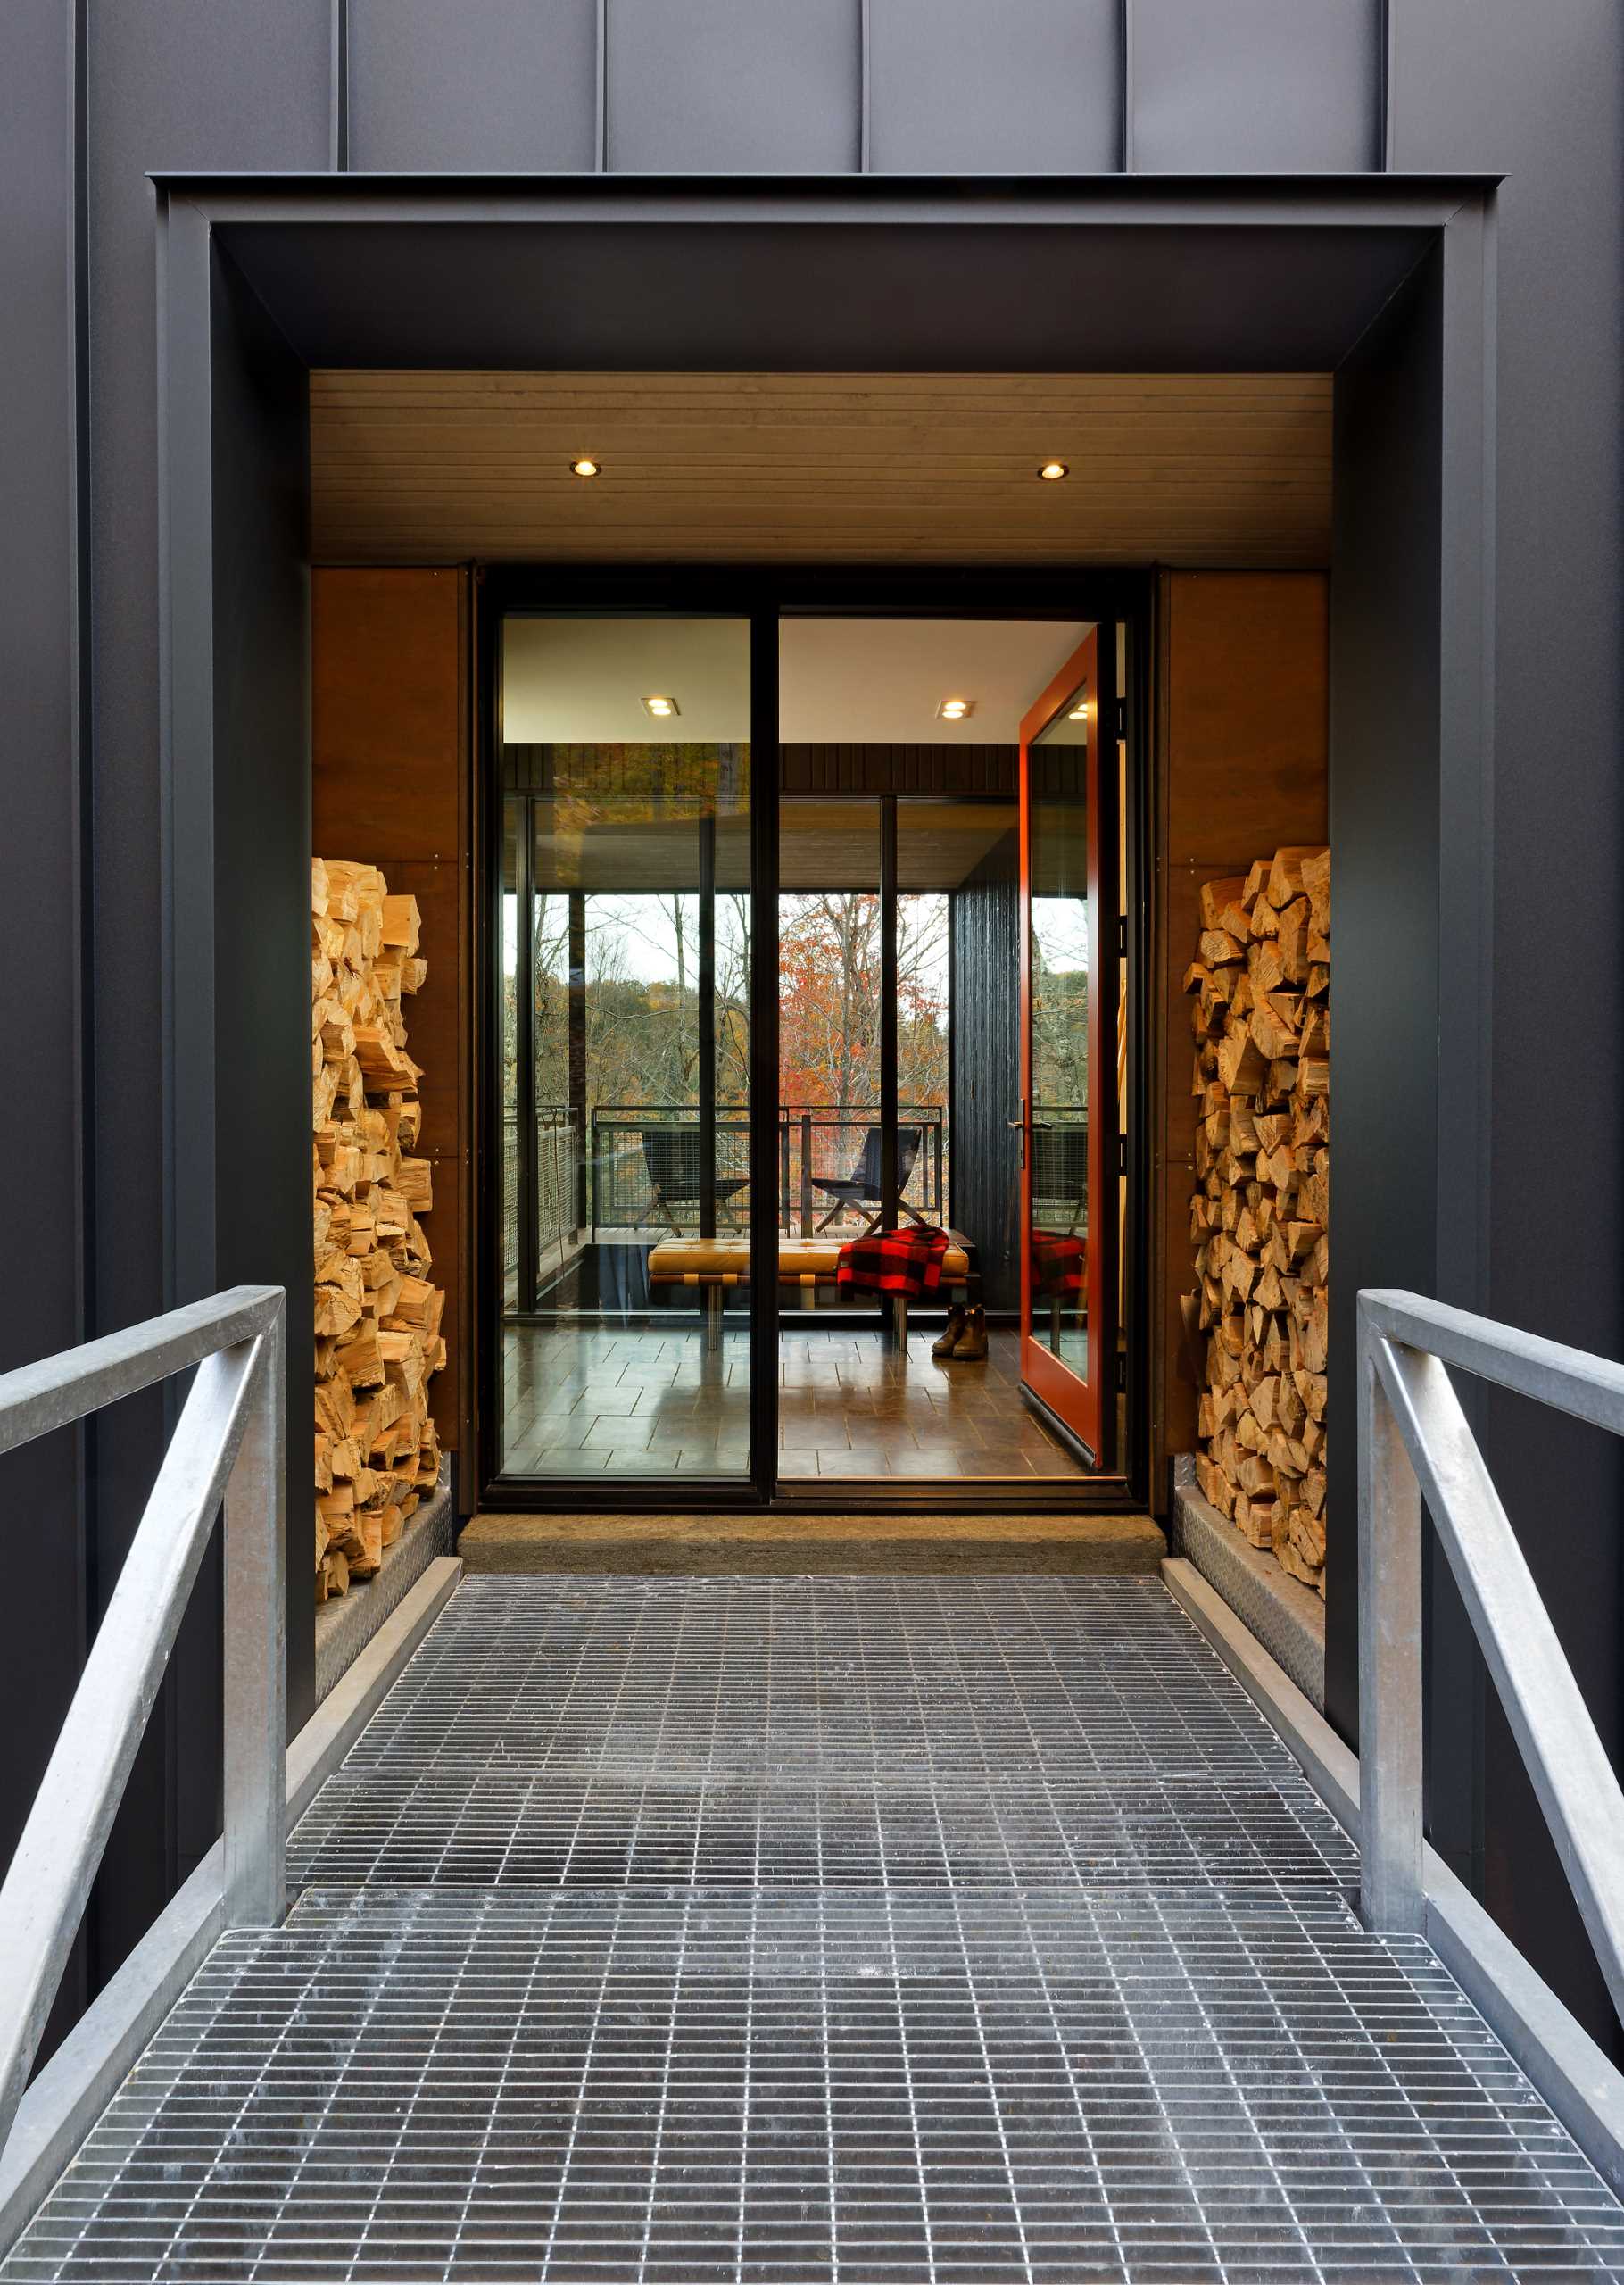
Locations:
(1057, 1262)
(893, 1261)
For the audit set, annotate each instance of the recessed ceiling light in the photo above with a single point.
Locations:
(1052, 471)
(583, 468)
(662, 709)
(1079, 713)
(955, 709)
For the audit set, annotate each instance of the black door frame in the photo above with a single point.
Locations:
(1386, 280)
(763, 597)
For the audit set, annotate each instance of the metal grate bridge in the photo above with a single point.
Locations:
(822, 1930)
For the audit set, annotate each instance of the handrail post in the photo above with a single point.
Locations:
(255, 1646)
(1392, 1895)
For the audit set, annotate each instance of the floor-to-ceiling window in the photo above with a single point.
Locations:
(900, 1046)
(638, 1167)
(625, 946)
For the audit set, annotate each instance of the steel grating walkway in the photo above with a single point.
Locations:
(818, 1930)
(866, 1732)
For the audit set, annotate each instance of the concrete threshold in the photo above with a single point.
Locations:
(798, 1546)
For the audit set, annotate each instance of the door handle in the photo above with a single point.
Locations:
(1021, 1127)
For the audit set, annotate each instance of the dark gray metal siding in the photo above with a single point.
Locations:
(969, 86)
(703, 85)
(1541, 95)
(1254, 86)
(707, 86)
(516, 91)
(42, 1525)
(241, 86)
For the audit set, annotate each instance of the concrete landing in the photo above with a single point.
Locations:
(802, 1546)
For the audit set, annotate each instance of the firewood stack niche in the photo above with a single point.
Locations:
(377, 1309)
(1261, 1213)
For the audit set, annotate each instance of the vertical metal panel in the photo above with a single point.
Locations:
(1252, 87)
(1540, 93)
(1385, 702)
(42, 1631)
(487, 85)
(978, 87)
(707, 86)
(183, 83)
(985, 955)
(257, 902)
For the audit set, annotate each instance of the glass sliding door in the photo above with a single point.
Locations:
(625, 1025)
(1070, 983)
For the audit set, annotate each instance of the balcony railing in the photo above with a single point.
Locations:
(646, 1170)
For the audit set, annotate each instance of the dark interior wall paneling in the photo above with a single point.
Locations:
(1241, 737)
(876, 767)
(1254, 87)
(962, 87)
(1541, 95)
(42, 1632)
(177, 83)
(707, 87)
(984, 969)
(390, 715)
(508, 85)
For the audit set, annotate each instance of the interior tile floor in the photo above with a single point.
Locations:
(649, 1401)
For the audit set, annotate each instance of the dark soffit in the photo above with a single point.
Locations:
(1107, 273)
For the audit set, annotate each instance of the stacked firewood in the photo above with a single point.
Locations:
(1261, 1212)
(378, 1311)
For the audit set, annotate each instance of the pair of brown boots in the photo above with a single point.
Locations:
(963, 1337)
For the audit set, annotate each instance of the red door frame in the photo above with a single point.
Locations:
(1077, 1401)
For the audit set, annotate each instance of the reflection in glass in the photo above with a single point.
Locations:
(625, 968)
(1060, 963)
(829, 967)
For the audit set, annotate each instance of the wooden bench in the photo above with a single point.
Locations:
(711, 1266)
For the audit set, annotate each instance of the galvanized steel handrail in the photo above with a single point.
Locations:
(1415, 1444)
(227, 1450)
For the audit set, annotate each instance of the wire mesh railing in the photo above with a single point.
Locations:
(557, 1193)
(648, 1170)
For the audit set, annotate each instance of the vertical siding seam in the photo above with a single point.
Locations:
(339, 101)
(1126, 84)
(600, 128)
(76, 1974)
(865, 119)
(1385, 122)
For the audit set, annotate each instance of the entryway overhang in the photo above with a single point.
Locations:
(1384, 281)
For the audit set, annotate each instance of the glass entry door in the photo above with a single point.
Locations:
(1068, 1116)
(624, 1016)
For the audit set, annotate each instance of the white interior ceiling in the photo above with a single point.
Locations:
(841, 681)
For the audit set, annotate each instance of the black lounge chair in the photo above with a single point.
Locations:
(674, 1160)
(861, 1187)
